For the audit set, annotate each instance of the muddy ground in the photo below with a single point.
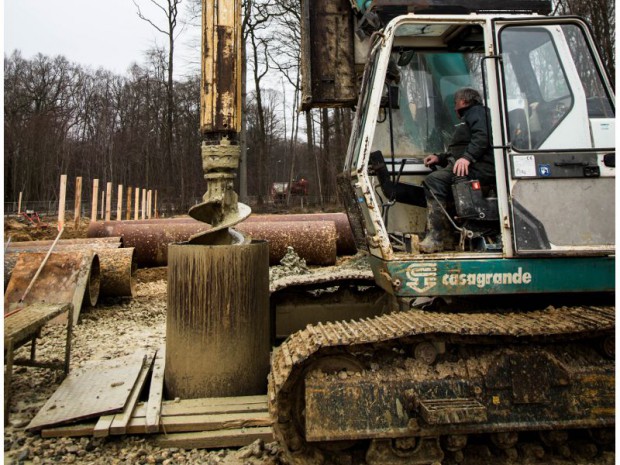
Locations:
(115, 327)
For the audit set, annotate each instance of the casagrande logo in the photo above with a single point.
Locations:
(482, 280)
(423, 276)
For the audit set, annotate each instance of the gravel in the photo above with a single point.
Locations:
(114, 328)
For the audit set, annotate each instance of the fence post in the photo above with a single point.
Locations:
(19, 204)
(137, 206)
(129, 192)
(102, 204)
(119, 203)
(61, 201)
(108, 201)
(149, 203)
(143, 204)
(155, 205)
(93, 211)
(77, 212)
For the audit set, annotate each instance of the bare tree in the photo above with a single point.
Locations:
(601, 16)
(170, 10)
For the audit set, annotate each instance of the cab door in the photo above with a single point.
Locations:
(559, 138)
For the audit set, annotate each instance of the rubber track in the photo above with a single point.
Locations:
(297, 350)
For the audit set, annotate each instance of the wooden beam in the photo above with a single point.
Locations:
(86, 429)
(102, 204)
(215, 439)
(190, 423)
(102, 428)
(156, 392)
(155, 205)
(121, 420)
(211, 406)
(19, 203)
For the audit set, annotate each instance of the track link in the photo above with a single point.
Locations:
(300, 350)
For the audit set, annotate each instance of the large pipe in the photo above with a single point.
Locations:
(67, 277)
(217, 326)
(345, 243)
(314, 241)
(118, 271)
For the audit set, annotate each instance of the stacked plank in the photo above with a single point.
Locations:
(183, 423)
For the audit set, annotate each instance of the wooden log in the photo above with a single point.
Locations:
(118, 270)
(215, 439)
(217, 327)
(93, 211)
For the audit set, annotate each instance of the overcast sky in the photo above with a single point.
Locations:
(97, 33)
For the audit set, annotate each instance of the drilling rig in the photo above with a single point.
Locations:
(506, 340)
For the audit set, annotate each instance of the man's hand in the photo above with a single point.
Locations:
(461, 167)
(431, 160)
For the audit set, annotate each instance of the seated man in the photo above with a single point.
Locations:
(469, 156)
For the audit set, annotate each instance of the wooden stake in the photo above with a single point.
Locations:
(61, 201)
(93, 210)
(102, 203)
(77, 213)
(108, 201)
(149, 203)
(143, 204)
(119, 203)
(19, 203)
(137, 207)
(155, 205)
(129, 192)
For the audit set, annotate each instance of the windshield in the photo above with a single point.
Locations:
(423, 115)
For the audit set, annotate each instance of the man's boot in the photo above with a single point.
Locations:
(435, 229)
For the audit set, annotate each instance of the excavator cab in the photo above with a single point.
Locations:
(552, 123)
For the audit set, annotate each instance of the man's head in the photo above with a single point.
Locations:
(466, 97)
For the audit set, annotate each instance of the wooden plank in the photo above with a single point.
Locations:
(215, 439)
(121, 420)
(108, 201)
(102, 428)
(22, 324)
(188, 423)
(85, 429)
(156, 392)
(216, 405)
(77, 210)
(98, 388)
